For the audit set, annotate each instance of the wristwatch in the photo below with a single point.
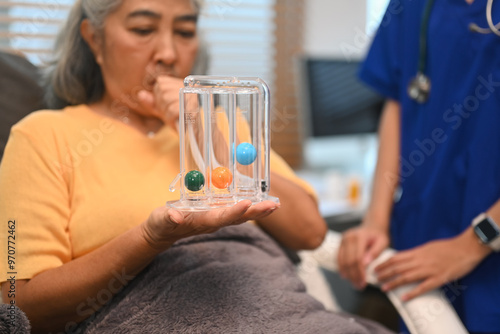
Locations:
(487, 231)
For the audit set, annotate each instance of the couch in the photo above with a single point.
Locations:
(20, 92)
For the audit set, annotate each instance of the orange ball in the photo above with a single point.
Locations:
(221, 177)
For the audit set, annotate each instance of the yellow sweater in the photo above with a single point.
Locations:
(73, 180)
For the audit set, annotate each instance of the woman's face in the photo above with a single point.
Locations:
(143, 39)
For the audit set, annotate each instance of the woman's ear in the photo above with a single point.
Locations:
(93, 39)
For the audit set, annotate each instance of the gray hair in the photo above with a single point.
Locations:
(73, 76)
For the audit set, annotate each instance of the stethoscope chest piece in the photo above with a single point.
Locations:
(419, 88)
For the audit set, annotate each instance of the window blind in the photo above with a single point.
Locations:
(29, 27)
(240, 37)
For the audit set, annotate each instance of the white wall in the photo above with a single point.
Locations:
(335, 28)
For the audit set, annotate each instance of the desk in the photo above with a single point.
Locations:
(339, 213)
(341, 216)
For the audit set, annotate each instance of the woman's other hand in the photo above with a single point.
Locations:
(358, 248)
(166, 225)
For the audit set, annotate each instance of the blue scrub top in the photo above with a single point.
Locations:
(450, 146)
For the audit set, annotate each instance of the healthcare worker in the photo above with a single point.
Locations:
(436, 189)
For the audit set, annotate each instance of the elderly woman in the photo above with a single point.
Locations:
(80, 185)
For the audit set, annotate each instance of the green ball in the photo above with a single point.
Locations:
(194, 180)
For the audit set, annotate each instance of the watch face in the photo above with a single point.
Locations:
(486, 231)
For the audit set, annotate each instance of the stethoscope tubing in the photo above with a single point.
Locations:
(420, 85)
(489, 18)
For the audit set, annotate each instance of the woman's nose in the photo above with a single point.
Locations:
(165, 51)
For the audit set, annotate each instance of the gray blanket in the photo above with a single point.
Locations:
(237, 280)
(13, 320)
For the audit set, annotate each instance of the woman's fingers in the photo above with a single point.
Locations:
(166, 225)
(166, 92)
(236, 214)
(217, 217)
(232, 214)
(163, 101)
(175, 216)
(161, 223)
(261, 210)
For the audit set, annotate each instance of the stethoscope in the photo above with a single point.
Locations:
(419, 87)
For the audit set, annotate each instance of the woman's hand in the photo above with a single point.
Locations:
(432, 264)
(163, 101)
(358, 248)
(165, 225)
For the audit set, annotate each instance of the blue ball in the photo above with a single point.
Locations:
(246, 154)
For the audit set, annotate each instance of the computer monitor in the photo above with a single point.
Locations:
(336, 101)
